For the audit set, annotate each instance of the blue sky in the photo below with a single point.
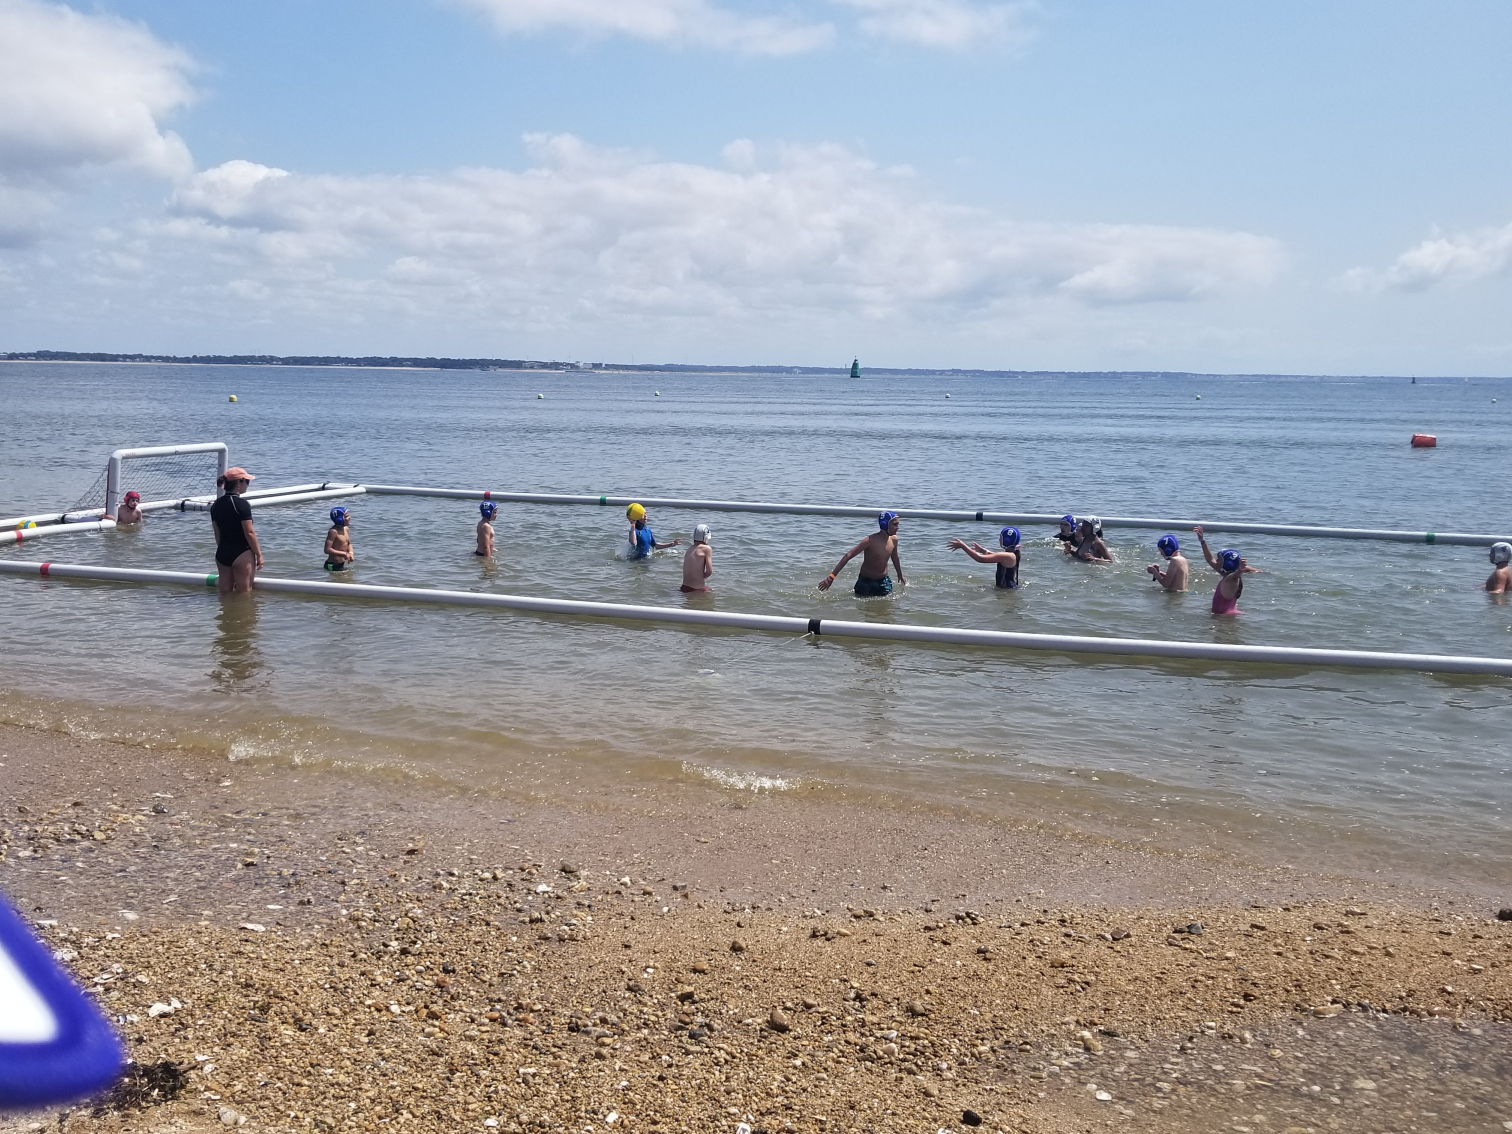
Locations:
(1288, 187)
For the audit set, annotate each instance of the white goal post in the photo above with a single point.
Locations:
(113, 471)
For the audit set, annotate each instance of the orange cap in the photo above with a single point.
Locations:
(236, 472)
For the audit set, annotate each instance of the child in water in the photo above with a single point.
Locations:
(129, 512)
(338, 545)
(1500, 582)
(1231, 565)
(1089, 546)
(641, 539)
(488, 509)
(698, 564)
(1067, 532)
(1007, 560)
(1174, 577)
(872, 581)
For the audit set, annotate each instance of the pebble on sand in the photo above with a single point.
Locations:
(778, 1021)
(970, 1117)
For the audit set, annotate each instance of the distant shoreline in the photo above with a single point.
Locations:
(532, 366)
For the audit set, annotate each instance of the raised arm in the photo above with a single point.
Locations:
(1207, 552)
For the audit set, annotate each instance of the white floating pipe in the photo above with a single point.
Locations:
(957, 515)
(162, 505)
(1056, 643)
(202, 505)
(26, 535)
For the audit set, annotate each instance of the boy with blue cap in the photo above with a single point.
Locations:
(338, 545)
(876, 550)
(1174, 577)
(488, 510)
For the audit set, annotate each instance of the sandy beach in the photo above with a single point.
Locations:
(297, 949)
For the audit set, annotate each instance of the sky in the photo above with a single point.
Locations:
(1006, 184)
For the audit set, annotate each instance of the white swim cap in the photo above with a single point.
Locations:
(701, 534)
(1501, 554)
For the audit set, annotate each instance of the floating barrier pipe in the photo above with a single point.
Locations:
(163, 505)
(26, 535)
(835, 628)
(958, 515)
(202, 505)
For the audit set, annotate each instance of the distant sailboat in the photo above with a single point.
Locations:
(855, 368)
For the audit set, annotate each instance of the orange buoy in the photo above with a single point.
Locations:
(1424, 441)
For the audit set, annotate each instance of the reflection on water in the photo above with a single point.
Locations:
(234, 648)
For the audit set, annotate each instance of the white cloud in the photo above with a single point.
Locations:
(952, 24)
(1443, 260)
(690, 22)
(82, 90)
(590, 236)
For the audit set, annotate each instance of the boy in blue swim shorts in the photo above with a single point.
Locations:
(876, 550)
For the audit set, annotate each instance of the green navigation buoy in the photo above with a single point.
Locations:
(855, 368)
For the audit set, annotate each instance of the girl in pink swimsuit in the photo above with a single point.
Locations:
(1231, 565)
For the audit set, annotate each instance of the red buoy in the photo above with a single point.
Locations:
(1424, 441)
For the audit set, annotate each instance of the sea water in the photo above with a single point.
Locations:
(1319, 768)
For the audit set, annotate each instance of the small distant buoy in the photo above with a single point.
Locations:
(1493, 401)
(1424, 441)
(232, 398)
(1199, 397)
(542, 396)
(656, 393)
(947, 397)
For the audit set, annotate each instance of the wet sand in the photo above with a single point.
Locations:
(383, 953)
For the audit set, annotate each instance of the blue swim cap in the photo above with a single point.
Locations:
(488, 508)
(884, 521)
(1167, 544)
(339, 517)
(1068, 518)
(1009, 537)
(1229, 560)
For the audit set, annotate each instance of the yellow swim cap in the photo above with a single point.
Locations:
(635, 512)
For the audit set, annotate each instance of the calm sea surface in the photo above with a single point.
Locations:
(1399, 773)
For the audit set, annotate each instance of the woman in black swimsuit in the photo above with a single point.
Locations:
(236, 550)
(1007, 560)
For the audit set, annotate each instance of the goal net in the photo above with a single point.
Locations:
(163, 475)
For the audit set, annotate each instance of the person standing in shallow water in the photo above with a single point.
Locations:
(1500, 581)
(875, 551)
(1174, 576)
(236, 549)
(1231, 565)
(1006, 560)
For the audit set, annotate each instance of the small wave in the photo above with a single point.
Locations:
(742, 781)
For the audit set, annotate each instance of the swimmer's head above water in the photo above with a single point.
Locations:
(1501, 554)
(701, 534)
(1009, 538)
(635, 512)
(1167, 545)
(1230, 560)
(339, 517)
(488, 509)
(886, 520)
(132, 497)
